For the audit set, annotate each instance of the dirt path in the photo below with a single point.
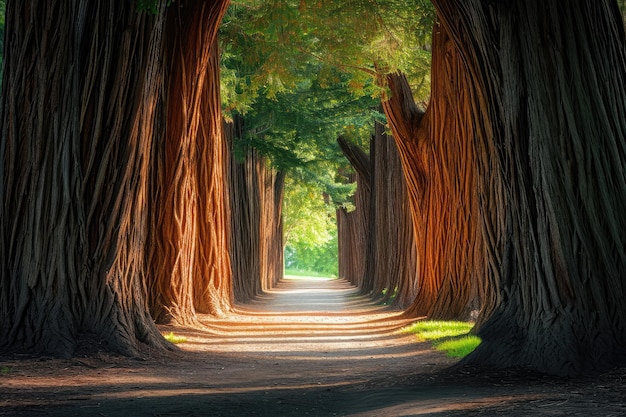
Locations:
(309, 348)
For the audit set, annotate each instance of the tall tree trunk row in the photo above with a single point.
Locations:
(385, 244)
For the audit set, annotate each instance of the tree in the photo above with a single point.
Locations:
(75, 159)
(256, 244)
(435, 149)
(546, 109)
(190, 266)
(383, 239)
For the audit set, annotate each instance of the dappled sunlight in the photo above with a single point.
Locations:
(286, 352)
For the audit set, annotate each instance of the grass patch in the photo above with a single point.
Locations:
(307, 274)
(4, 371)
(171, 337)
(451, 337)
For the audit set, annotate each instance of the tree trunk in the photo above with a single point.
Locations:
(394, 249)
(389, 257)
(190, 257)
(256, 201)
(354, 228)
(547, 108)
(436, 153)
(78, 117)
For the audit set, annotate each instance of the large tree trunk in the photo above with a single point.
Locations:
(436, 153)
(78, 116)
(190, 258)
(548, 111)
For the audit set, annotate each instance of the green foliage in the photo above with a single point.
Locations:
(304, 73)
(4, 371)
(451, 337)
(291, 273)
(310, 232)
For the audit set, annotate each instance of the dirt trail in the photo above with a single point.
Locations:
(311, 347)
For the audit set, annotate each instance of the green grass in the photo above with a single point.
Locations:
(306, 274)
(4, 371)
(171, 337)
(451, 337)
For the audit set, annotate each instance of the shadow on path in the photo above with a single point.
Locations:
(310, 347)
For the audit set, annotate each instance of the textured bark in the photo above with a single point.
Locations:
(547, 108)
(364, 247)
(78, 113)
(389, 257)
(256, 220)
(437, 156)
(393, 246)
(190, 258)
(354, 228)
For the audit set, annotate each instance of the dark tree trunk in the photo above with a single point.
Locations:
(78, 118)
(256, 220)
(393, 250)
(548, 114)
(354, 228)
(389, 257)
(189, 259)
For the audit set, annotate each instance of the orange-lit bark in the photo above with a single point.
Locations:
(437, 154)
(190, 260)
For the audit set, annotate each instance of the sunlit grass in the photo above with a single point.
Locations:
(289, 273)
(451, 337)
(459, 347)
(171, 337)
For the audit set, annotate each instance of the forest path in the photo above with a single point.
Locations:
(310, 347)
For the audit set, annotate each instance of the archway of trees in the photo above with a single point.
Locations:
(128, 198)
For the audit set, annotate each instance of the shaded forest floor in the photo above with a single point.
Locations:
(312, 347)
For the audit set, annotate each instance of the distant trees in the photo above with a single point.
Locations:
(377, 246)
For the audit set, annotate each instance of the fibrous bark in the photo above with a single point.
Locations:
(256, 220)
(190, 266)
(386, 237)
(547, 110)
(437, 154)
(80, 88)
